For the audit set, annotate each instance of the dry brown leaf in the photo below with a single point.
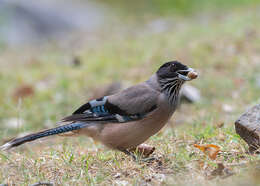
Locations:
(209, 149)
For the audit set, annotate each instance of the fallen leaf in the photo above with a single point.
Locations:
(209, 149)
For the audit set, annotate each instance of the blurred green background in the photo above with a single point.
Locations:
(177, 7)
(55, 56)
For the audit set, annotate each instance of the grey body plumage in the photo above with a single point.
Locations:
(128, 118)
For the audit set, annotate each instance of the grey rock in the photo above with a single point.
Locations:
(248, 127)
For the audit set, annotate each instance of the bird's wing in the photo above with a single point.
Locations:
(131, 104)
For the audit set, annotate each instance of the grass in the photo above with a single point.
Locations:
(177, 7)
(225, 50)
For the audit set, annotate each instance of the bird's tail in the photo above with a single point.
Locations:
(49, 132)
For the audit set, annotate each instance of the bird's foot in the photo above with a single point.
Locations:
(129, 154)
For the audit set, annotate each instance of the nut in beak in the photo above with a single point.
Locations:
(192, 75)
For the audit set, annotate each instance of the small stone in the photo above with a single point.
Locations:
(248, 127)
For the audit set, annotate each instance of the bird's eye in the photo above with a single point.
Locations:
(173, 68)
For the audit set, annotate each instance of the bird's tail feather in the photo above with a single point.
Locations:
(49, 132)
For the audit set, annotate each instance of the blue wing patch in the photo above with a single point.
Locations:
(99, 109)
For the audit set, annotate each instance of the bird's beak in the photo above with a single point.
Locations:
(191, 74)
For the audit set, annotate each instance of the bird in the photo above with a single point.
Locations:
(126, 119)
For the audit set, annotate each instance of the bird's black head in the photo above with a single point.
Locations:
(171, 76)
(176, 70)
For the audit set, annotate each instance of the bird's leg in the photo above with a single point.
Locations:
(129, 153)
